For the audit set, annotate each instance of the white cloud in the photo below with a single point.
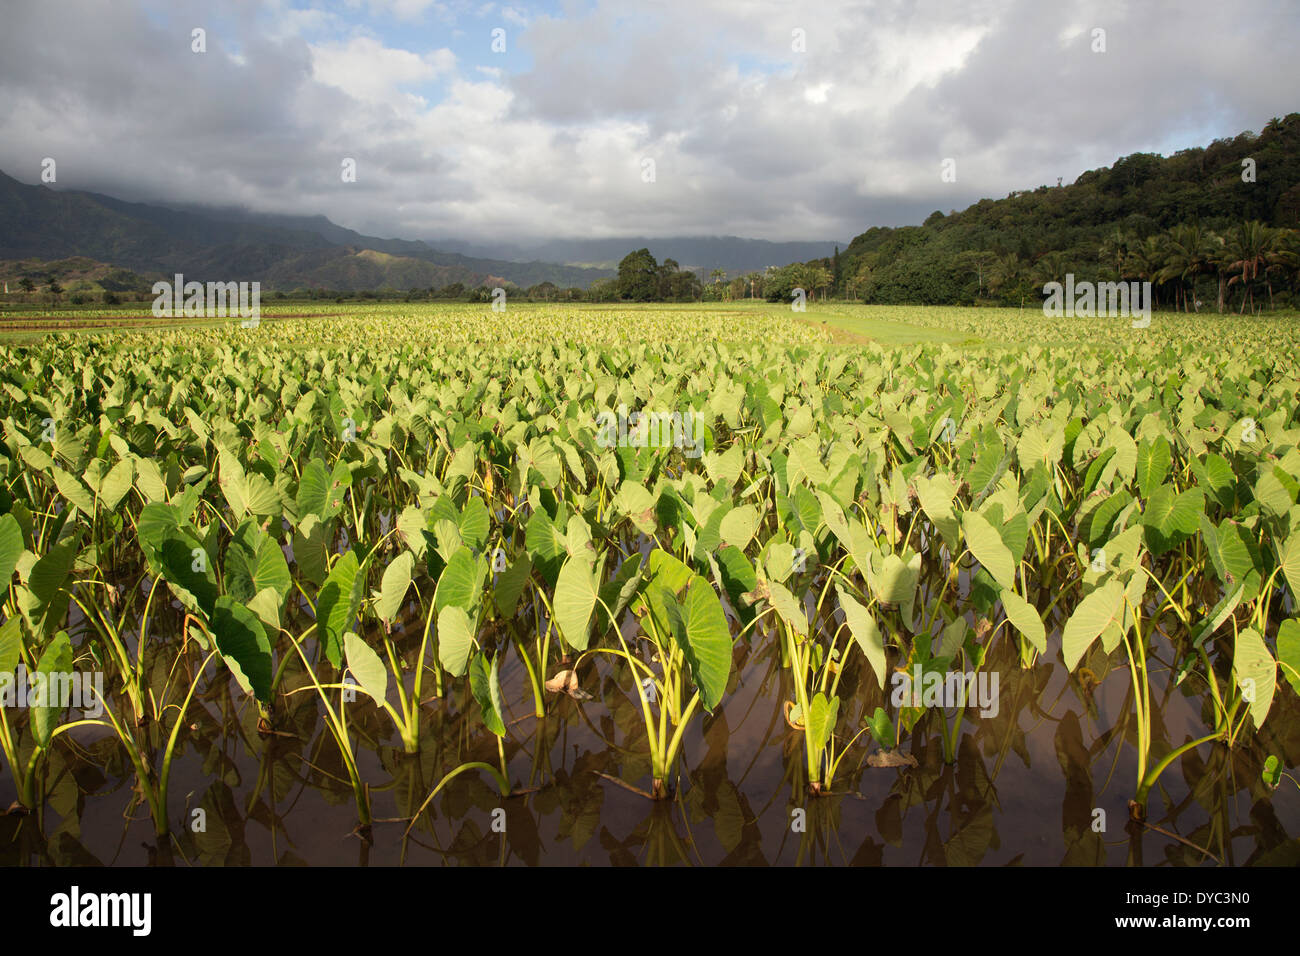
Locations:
(749, 137)
(367, 70)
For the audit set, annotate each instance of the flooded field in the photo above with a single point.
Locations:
(400, 589)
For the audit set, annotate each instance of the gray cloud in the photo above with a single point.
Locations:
(749, 136)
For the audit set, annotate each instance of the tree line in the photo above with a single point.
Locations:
(1215, 227)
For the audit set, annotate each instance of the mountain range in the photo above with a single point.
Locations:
(290, 252)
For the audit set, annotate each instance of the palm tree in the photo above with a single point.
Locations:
(1283, 257)
(1050, 267)
(1244, 254)
(1144, 260)
(1189, 251)
(718, 276)
(1008, 276)
(1114, 248)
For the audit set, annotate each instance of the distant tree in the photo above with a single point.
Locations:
(27, 284)
(821, 278)
(977, 262)
(638, 277)
(545, 291)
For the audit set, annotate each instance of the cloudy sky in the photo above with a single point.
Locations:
(771, 119)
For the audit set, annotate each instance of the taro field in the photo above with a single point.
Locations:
(437, 585)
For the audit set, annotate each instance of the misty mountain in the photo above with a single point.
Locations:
(206, 244)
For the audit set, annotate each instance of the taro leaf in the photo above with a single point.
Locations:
(882, 728)
(117, 484)
(1102, 518)
(1171, 518)
(706, 641)
(739, 525)
(737, 579)
(1256, 674)
(788, 608)
(1153, 459)
(510, 585)
(1272, 495)
(1095, 469)
(987, 472)
(576, 592)
(638, 504)
(367, 667)
(1228, 552)
(272, 571)
(260, 496)
(74, 491)
(1220, 613)
(1025, 619)
(668, 577)
(865, 631)
(935, 495)
(460, 584)
(486, 688)
(410, 530)
(156, 519)
(546, 545)
(474, 523)
(188, 571)
(1290, 564)
(393, 586)
(55, 667)
(11, 644)
(1288, 652)
(447, 537)
(310, 549)
(314, 491)
(11, 548)
(1216, 474)
(455, 639)
(51, 571)
(249, 571)
(336, 606)
(618, 591)
(983, 541)
(266, 605)
(243, 645)
(1093, 615)
(821, 721)
(897, 582)
(149, 479)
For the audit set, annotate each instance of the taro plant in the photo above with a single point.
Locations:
(44, 725)
(485, 685)
(683, 623)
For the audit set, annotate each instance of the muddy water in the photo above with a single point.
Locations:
(1026, 786)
